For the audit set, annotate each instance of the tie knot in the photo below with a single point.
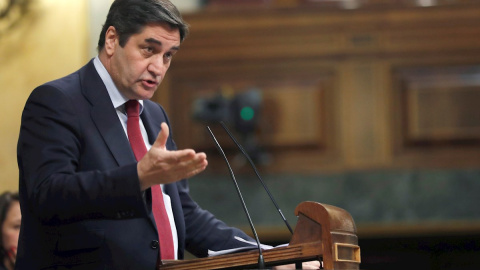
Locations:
(132, 107)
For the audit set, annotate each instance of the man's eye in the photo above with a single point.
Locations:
(168, 55)
(148, 50)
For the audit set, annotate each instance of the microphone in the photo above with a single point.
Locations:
(261, 262)
(258, 175)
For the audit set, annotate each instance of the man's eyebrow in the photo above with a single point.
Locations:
(158, 42)
(152, 40)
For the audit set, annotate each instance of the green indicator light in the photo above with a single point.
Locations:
(247, 113)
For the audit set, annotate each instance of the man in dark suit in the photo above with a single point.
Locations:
(86, 201)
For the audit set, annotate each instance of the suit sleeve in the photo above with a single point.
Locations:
(49, 150)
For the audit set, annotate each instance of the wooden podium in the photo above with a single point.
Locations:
(323, 232)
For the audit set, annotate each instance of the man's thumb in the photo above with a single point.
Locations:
(162, 137)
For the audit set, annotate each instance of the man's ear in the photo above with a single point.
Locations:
(111, 41)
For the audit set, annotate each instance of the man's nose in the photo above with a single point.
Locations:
(157, 66)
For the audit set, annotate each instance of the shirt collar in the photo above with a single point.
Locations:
(117, 98)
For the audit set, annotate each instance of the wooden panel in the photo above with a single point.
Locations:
(292, 110)
(314, 32)
(437, 37)
(341, 89)
(293, 115)
(444, 114)
(362, 113)
(441, 104)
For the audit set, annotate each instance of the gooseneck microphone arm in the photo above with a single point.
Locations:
(261, 262)
(258, 175)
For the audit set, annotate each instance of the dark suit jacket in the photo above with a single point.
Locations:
(79, 191)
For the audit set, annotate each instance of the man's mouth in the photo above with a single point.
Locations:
(150, 83)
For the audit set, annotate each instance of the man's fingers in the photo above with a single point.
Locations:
(180, 159)
(162, 137)
(195, 168)
(183, 155)
(190, 159)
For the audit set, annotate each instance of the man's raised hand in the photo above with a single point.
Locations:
(162, 166)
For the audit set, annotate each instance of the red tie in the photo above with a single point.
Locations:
(158, 207)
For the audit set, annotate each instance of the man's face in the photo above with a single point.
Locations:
(138, 68)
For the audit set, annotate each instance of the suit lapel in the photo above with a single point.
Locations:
(106, 120)
(104, 116)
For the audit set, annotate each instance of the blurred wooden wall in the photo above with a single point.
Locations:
(381, 86)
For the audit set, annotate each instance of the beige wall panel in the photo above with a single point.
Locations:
(362, 113)
(50, 42)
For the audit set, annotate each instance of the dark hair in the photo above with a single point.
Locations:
(131, 16)
(6, 200)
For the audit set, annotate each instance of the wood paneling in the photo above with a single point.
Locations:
(341, 89)
(441, 104)
(436, 115)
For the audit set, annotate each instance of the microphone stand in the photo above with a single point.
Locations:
(258, 175)
(297, 265)
(261, 261)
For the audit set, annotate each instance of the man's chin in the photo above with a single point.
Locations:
(145, 94)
